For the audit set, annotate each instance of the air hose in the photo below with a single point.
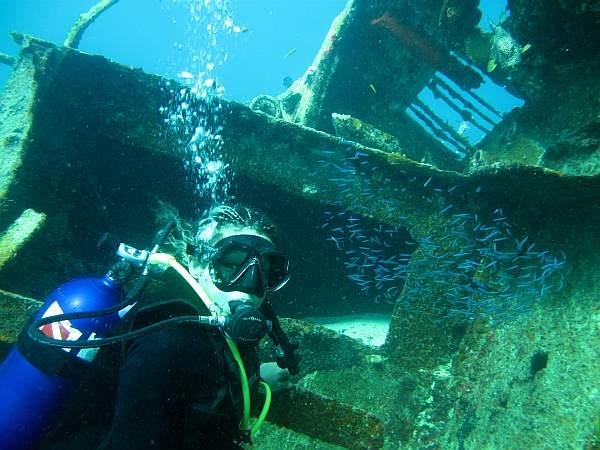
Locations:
(213, 320)
(163, 258)
(265, 410)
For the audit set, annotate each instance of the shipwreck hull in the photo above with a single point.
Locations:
(84, 146)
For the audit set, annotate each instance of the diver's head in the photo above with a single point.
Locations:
(235, 259)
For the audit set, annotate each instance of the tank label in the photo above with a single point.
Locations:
(88, 354)
(62, 330)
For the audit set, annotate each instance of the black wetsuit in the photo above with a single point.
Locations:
(176, 388)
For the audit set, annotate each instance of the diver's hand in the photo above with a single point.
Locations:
(276, 377)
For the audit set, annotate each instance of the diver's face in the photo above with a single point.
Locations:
(235, 274)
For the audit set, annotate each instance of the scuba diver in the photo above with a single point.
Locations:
(185, 379)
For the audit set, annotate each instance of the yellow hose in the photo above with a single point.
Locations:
(265, 409)
(244, 379)
(169, 260)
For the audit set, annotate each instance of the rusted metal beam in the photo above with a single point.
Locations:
(326, 419)
(15, 309)
(84, 21)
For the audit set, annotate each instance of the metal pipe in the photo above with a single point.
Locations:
(464, 113)
(447, 129)
(457, 95)
(436, 130)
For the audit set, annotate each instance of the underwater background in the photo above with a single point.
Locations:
(158, 38)
(433, 167)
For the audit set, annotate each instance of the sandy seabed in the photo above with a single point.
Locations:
(370, 328)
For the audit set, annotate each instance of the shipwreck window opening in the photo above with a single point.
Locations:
(458, 118)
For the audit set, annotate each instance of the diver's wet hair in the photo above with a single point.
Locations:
(224, 216)
(189, 235)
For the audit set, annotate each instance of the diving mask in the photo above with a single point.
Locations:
(246, 263)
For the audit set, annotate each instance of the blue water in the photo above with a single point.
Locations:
(492, 10)
(145, 33)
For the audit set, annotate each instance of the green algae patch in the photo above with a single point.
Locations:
(19, 233)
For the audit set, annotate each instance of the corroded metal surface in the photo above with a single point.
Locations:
(327, 419)
(18, 233)
(14, 311)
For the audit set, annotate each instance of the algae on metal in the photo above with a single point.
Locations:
(353, 129)
(7, 59)
(84, 21)
(14, 308)
(16, 109)
(18, 233)
(327, 419)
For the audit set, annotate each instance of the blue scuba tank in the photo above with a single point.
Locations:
(35, 379)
